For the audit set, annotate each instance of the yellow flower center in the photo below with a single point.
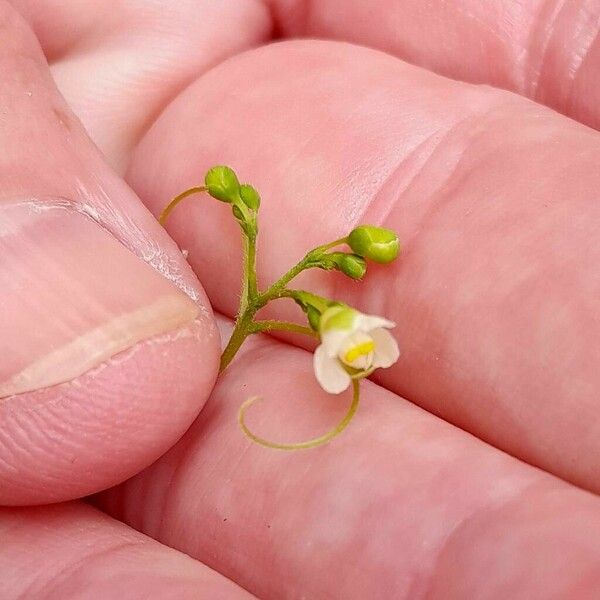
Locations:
(355, 352)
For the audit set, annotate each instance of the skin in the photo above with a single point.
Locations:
(495, 201)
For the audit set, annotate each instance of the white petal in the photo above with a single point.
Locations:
(329, 373)
(369, 322)
(333, 340)
(386, 348)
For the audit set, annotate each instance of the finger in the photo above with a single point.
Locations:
(401, 505)
(118, 65)
(103, 361)
(494, 198)
(75, 551)
(548, 51)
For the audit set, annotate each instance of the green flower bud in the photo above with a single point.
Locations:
(250, 196)
(375, 243)
(222, 183)
(352, 265)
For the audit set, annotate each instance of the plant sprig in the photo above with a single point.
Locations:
(352, 345)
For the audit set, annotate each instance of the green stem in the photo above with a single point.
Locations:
(318, 441)
(248, 302)
(169, 208)
(238, 336)
(251, 268)
(330, 245)
(270, 325)
(249, 285)
(245, 273)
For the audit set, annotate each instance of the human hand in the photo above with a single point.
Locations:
(495, 298)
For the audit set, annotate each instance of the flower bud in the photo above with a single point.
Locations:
(249, 196)
(375, 243)
(352, 265)
(222, 183)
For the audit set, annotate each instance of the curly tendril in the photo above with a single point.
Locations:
(318, 441)
(169, 207)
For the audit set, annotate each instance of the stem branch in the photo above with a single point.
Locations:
(306, 263)
(270, 325)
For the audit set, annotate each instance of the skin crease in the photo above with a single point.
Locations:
(73, 551)
(468, 524)
(546, 50)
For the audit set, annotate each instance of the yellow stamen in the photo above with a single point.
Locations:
(359, 350)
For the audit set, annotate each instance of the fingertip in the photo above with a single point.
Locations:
(79, 437)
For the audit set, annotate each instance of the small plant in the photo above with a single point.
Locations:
(352, 344)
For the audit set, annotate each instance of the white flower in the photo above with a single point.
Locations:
(352, 345)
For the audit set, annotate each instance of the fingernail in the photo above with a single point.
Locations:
(72, 296)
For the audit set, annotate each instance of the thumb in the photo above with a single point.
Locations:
(107, 345)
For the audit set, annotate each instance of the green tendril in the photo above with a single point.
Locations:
(313, 443)
(169, 207)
